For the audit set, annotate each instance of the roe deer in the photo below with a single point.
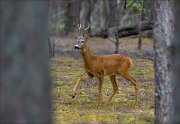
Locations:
(103, 65)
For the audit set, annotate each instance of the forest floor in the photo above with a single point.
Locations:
(67, 67)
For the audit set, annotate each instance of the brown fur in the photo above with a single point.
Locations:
(106, 65)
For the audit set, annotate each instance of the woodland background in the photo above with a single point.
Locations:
(39, 65)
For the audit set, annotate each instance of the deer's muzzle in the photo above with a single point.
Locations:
(76, 47)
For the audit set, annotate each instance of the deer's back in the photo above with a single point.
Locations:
(110, 64)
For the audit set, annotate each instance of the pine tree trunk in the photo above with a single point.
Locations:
(163, 35)
(24, 88)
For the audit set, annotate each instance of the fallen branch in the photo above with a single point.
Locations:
(125, 32)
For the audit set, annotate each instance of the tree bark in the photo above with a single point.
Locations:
(163, 36)
(25, 86)
(176, 65)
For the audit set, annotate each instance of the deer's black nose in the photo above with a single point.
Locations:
(76, 47)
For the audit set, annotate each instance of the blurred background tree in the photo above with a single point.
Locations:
(25, 85)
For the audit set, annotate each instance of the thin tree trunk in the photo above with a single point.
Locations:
(89, 16)
(24, 88)
(163, 35)
(140, 32)
(53, 49)
(116, 43)
(50, 48)
(113, 21)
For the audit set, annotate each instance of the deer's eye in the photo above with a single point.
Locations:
(81, 41)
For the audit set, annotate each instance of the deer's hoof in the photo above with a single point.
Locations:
(73, 95)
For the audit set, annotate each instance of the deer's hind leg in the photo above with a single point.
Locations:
(128, 77)
(115, 87)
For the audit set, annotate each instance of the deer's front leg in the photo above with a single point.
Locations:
(100, 89)
(82, 78)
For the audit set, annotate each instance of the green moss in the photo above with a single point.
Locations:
(137, 72)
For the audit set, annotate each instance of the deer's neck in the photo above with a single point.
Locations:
(87, 55)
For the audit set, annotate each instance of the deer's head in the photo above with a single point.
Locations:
(81, 39)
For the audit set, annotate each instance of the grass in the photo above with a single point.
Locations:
(83, 109)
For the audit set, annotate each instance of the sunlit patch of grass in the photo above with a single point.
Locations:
(83, 109)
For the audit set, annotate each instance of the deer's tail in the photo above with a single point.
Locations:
(131, 63)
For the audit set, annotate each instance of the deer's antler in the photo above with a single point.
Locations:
(87, 27)
(79, 28)
(79, 25)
